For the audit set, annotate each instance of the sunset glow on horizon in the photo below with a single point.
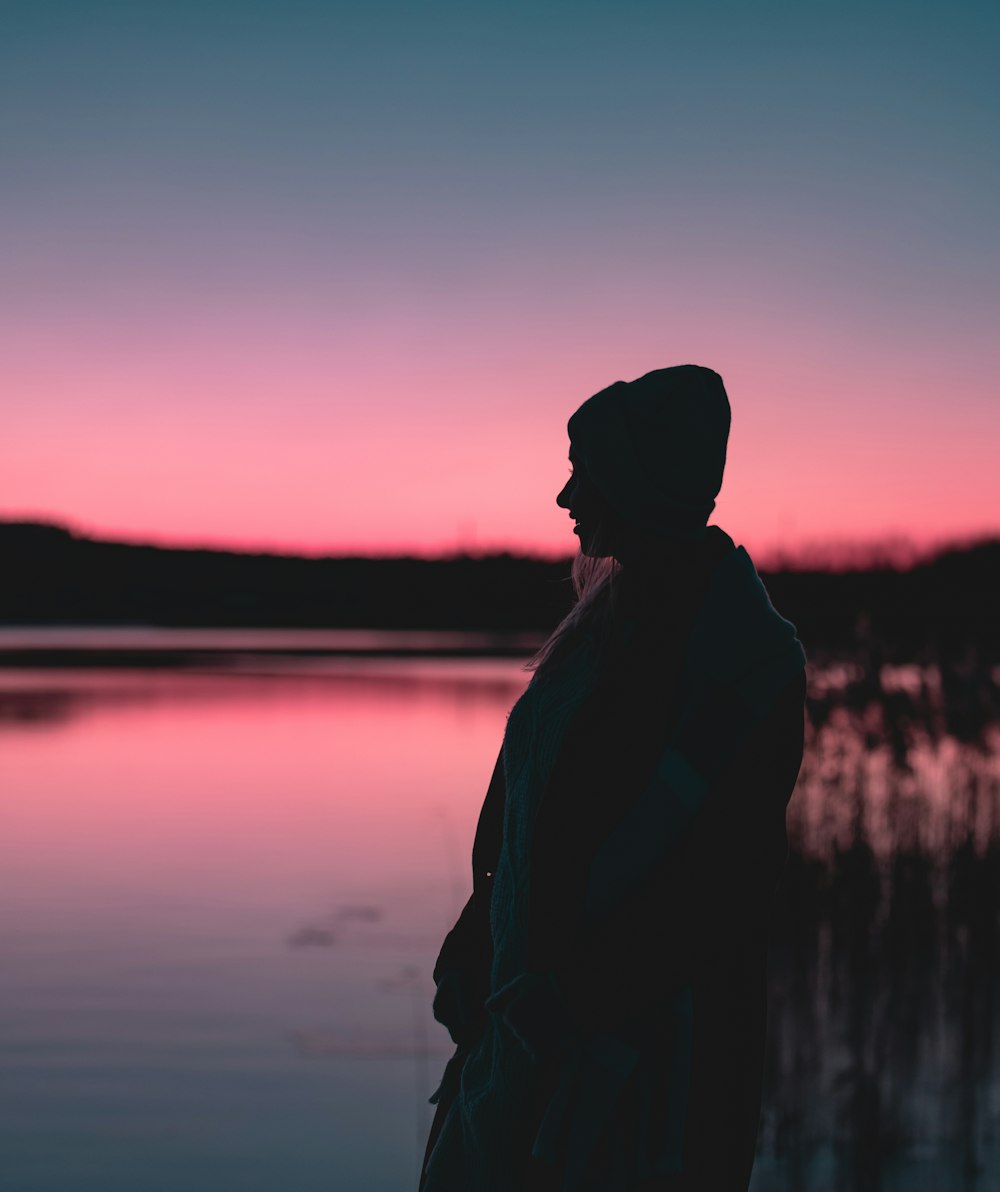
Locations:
(329, 278)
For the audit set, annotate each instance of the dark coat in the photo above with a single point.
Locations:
(698, 919)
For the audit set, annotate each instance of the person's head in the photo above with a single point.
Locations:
(654, 449)
(647, 458)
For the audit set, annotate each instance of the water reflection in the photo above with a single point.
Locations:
(222, 894)
(882, 1070)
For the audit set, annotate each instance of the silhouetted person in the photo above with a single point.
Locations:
(605, 983)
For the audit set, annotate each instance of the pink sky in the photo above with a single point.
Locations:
(338, 286)
(442, 427)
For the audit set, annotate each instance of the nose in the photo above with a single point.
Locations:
(562, 500)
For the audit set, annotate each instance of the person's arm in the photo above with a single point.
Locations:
(716, 885)
(684, 914)
(462, 970)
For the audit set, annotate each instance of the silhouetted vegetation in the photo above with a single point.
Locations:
(885, 1014)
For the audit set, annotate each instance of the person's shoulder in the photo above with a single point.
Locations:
(717, 540)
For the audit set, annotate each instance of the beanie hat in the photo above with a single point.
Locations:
(655, 448)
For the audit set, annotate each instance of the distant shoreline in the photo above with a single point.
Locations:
(55, 581)
(50, 647)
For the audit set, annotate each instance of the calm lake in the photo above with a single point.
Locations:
(222, 891)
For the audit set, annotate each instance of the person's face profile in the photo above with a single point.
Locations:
(585, 505)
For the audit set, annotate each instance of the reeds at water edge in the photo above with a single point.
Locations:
(885, 957)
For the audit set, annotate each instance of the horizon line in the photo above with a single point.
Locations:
(896, 551)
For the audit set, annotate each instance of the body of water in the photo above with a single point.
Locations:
(222, 892)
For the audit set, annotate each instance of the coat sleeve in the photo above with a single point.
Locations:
(696, 904)
(467, 948)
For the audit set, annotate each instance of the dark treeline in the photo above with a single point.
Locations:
(52, 576)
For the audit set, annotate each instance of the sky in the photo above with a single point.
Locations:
(330, 277)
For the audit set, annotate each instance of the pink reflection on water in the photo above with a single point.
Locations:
(191, 794)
